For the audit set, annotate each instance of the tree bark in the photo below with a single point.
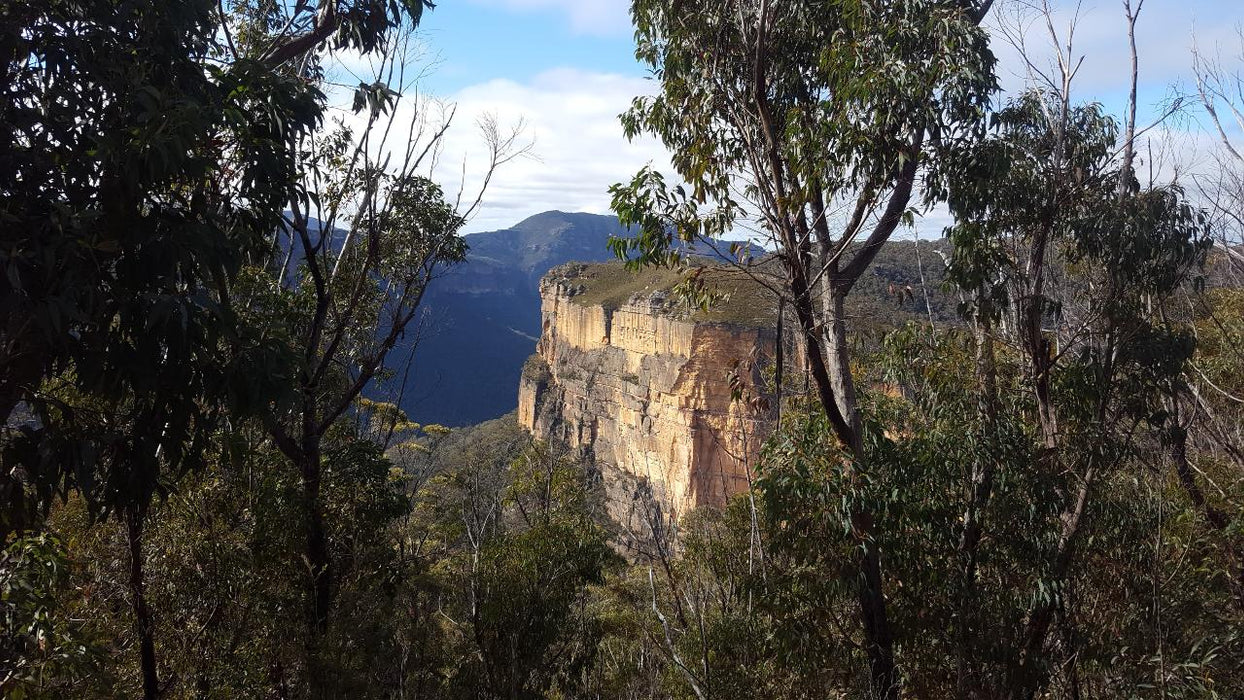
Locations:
(1129, 133)
(134, 518)
(870, 595)
(1036, 345)
(1177, 448)
(839, 362)
(318, 560)
(804, 314)
(870, 591)
(324, 27)
(19, 373)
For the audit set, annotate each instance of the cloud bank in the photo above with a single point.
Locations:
(578, 150)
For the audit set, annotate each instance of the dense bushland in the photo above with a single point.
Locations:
(206, 493)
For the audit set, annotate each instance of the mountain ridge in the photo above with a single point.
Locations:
(481, 318)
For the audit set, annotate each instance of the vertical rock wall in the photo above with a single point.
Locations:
(647, 394)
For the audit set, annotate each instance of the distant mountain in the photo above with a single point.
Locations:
(482, 318)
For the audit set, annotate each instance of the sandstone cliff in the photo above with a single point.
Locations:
(644, 385)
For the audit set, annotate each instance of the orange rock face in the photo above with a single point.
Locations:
(647, 393)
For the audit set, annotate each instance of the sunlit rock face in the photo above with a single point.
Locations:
(646, 391)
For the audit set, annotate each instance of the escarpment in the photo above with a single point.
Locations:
(666, 400)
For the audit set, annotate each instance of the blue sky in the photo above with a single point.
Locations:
(480, 40)
(566, 69)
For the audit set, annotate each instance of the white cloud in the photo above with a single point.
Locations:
(1184, 148)
(578, 151)
(591, 17)
(1165, 35)
(568, 116)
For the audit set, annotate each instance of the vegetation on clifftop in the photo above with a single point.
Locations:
(893, 292)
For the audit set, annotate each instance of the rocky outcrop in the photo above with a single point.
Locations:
(659, 398)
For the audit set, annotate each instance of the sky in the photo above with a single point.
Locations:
(565, 70)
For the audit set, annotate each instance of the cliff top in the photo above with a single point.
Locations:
(905, 276)
(742, 300)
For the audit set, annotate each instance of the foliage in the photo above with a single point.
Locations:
(836, 105)
(42, 650)
(203, 285)
(138, 176)
(529, 582)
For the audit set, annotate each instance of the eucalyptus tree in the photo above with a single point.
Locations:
(821, 117)
(1208, 402)
(1058, 242)
(1071, 269)
(147, 150)
(1220, 91)
(364, 235)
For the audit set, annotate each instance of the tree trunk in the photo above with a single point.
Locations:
(1027, 676)
(318, 560)
(1038, 347)
(836, 387)
(871, 597)
(1032, 308)
(839, 364)
(17, 375)
(983, 469)
(1177, 446)
(813, 350)
(138, 599)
